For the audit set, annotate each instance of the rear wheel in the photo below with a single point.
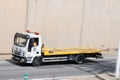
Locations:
(36, 62)
(79, 59)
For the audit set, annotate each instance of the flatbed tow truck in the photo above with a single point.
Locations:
(28, 48)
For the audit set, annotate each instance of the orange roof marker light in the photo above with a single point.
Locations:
(37, 33)
(28, 31)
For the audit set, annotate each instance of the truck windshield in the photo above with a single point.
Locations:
(20, 40)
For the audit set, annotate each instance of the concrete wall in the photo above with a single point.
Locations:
(12, 19)
(62, 23)
(58, 21)
(73, 23)
(101, 26)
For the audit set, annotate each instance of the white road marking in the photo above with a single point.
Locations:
(64, 78)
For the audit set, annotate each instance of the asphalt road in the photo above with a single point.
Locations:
(10, 70)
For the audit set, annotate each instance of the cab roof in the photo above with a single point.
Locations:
(27, 35)
(32, 35)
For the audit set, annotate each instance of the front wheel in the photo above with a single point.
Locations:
(36, 62)
(79, 59)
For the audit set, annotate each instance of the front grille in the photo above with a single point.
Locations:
(16, 52)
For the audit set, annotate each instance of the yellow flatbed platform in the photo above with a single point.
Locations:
(68, 51)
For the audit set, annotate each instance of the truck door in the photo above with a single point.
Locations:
(33, 46)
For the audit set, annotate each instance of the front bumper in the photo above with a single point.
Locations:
(19, 58)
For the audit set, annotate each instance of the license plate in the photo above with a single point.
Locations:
(17, 58)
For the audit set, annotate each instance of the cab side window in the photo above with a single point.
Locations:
(33, 43)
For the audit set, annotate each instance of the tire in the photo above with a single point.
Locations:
(79, 59)
(36, 62)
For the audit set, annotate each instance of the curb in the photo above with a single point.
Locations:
(5, 53)
(106, 77)
(65, 78)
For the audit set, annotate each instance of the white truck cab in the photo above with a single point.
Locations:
(26, 47)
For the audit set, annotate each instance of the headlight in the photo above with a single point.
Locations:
(22, 60)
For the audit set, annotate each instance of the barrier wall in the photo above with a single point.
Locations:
(12, 19)
(62, 23)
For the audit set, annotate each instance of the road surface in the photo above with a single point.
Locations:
(10, 70)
